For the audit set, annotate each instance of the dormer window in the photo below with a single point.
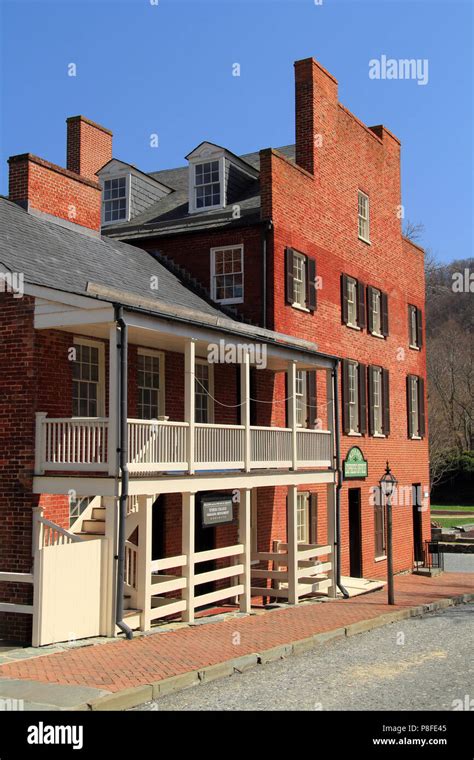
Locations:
(115, 199)
(207, 186)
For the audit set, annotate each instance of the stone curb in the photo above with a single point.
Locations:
(138, 695)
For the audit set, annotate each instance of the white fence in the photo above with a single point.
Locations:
(313, 574)
(156, 446)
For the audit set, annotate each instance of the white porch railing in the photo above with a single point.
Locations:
(81, 444)
(312, 575)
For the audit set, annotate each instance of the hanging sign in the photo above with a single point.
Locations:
(354, 465)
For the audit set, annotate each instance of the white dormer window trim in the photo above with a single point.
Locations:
(198, 161)
(128, 188)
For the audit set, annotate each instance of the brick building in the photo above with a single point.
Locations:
(235, 299)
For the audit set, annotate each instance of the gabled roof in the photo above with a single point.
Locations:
(170, 214)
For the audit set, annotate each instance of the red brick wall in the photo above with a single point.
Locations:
(192, 251)
(54, 190)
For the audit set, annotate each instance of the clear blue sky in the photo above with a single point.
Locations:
(167, 69)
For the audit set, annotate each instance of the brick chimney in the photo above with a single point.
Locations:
(316, 112)
(89, 146)
(73, 194)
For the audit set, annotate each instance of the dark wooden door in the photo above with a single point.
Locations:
(355, 533)
(417, 524)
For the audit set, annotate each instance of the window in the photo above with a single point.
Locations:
(204, 392)
(207, 185)
(363, 215)
(353, 302)
(302, 518)
(115, 199)
(307, 518)
(150, 378)
(379, 401)
(354, 393)
(353, 399)
(77, 505)
(301, 398)
(377, 310)
(415, 327)
(88, 379)
(379, 525)
(227, 274)
(300, 283)
(416, 406)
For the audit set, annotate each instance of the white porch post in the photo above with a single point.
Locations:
(37, 545)
(190, 400)
(292, 543)
(291, 374)
(245, 407)
(40, 443)
(109, 566)
(244, 538)
(113, 431)
(145, 516)
(188, 549)
(331, 523)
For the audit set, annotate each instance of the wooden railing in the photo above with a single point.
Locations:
(81, 444)
(312, 574)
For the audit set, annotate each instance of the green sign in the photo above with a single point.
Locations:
(354, 465)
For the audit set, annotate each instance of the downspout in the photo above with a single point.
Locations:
(266, 229)
(123, 464)
(343, 590)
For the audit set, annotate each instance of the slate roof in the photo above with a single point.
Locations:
(54, 256)
(170, 214)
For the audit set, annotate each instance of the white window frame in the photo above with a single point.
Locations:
(376, 307)
(415, 412)
(302, 510)
(101, 381)
(413, 337)
(301, 398)
(210, 394)
(299, 279)
(220, 160)
(353, 391)
(351, 302)
(214, 275)
(128, 181)
(363, 216)
(161, 390)
(377, 399)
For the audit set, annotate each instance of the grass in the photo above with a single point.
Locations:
(450, 522)
(451, 508)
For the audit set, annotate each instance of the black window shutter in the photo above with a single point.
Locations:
(384, 313)
(370, 313)
(410, 341)
(311, 293)
(419, 328)
(313, 518)
(362, 369)
(421, 407)
(289, 284)
(345, 396)
(361, 317)
(409, 409)
(311, 410)
(370, 379)
(385, 402)
(344, 304)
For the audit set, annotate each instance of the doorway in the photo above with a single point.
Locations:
(158, 528)
(355, 534)
(417, 523)
(204, 540)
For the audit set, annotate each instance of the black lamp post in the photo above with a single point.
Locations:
(388, 483)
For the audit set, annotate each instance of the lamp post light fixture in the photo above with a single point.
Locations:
(388, 483)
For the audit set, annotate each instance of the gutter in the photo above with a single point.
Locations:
(124, 475)
(266, 229)
(339, 585)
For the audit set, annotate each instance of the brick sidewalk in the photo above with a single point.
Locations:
(124, 664)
